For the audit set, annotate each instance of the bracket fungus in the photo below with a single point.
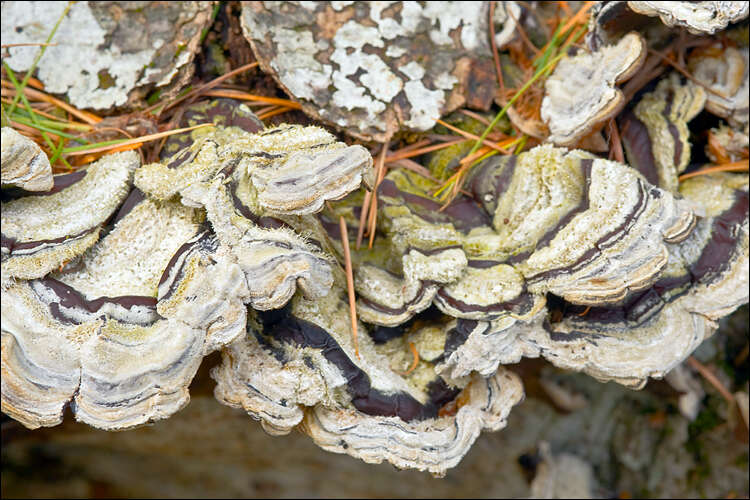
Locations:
(256, 189)
(116, 328)
(119, 278)
(374, 68)
(24, 164)
(114, 52)
(92, 335)
(580, 94)
(43, 231)
(303, 356)
(551, 225)
(697, 17)
(655, 134)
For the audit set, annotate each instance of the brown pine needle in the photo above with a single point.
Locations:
(145, 138)
(95, 156)
(278, 111)
(29, 44)
(585, 311)
(411, 147)
(578, 18)
(522, 33)
(374, 198)
(349, 282)
(401, 154)
(615, 144)
(213, 83)
(415, 358)
(363, 218)
(86, 116)
(244, 96)
(415, 167)
(73, 124)
(472, 136)
(476, 116)
(737, 166)
(684, 72)
(495, 53)
(711, 379)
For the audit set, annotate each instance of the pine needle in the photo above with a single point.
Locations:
(85, 116)
(737, 166)
(402, 154)
(109, 145)
(363, 217)
(374, 197)
(244, 96)
(468, 135)
(349, 283)
(415, 358)
(194, 93)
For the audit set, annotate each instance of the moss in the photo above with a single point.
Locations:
(706, 420)
(105, 79)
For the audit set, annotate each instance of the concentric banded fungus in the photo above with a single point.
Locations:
(481, 346)
(705, 279)
(23, 163)
(289, 169)
(373, 68)
(303, 356)
(589, 230)
(697, 17)
(725, 72)
(593, 232)
(114, 53)
(580, 95)
(92, 336)
(655, 134)
(245, 182)
(434, 445)
(42, 232)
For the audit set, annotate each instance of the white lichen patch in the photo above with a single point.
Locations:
(108, 50)
(372, 68)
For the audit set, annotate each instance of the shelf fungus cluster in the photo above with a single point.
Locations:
(120, 279)
(555, 253)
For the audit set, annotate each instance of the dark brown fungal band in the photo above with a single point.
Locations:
(302, 356)
(656, 136)
(99, 328)
(705, 278)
